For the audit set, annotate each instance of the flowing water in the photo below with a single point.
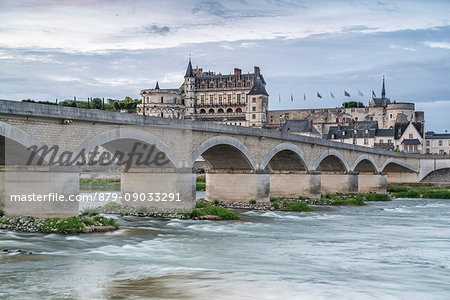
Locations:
(391, 250)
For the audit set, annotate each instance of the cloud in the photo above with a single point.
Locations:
(443, 45)
(155, 29)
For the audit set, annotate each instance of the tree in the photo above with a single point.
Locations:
(351, 104)
(97, 103)
(116, 105)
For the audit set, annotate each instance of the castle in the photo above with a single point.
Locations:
(235, 99)
(242, 100)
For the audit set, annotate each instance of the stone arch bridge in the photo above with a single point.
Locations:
(244, 163)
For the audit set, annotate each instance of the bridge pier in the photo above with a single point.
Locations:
(237, 186)
(293, 185)
(372, 183)
(162, 189)
(339, 183)
(402, 177)
(39, 192)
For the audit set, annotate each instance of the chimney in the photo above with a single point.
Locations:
(310, 126)
(256, 71)
(237, 72)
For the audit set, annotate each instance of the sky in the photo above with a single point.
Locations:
(60, 49)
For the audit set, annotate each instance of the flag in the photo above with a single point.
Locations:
(332, 96)
(279, 98)
(373, 94)
(360, 94)
(304, 97)
(346, 94)
(319, 95)
(292, 98)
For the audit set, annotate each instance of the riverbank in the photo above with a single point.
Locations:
(71, 225)
(420, 190)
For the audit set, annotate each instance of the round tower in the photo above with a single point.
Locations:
(189, 89)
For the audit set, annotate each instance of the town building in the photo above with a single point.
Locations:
(437, 143)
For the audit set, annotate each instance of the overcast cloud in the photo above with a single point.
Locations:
(112, 49)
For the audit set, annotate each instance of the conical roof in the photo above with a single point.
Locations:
(189, 70)
(258, 88)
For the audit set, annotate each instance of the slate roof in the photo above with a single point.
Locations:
(399, 128)
(381, 101)
(435, 136)
(385, 132)
(258, 88)
(357, 130)
(411, 142)
(189, 70)
(293, 126)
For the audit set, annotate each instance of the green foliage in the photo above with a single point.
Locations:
(352, 104)
(301, 198)
(89, 211)
(274, 199)
(88, 221)
(397, 188)
(104, 221)
(62, 225)
(276, 205)
(2, 212)
(97, 103)
(376, 197)
(200, 186)
(127, 103)
(298, 206)
(40, 102)
(202, 204)
(253, 201)
(100, 185)
(436, 194)
(349, 202)
(201, 178)
(112, 206)
(216, 202)
(214, 211)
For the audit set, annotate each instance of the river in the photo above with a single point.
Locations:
(385, 250)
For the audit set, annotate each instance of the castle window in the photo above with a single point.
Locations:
(202, 111)
(253, 116)
(220, 111)
(391, 116)
(410, 135)
(162, 99)
(381, 141)
(229, 98)
(440, 143)
(389, 141)
(366, 141)
(196, 100)
(238, 98)
(211, 99)
(356, 119)
(229, 111)
(238, 110)
(211, 111)
(203, 99)
(326, 120)
(337, 120)
(253, 108)
(162, 115)
(371, 118)
(220, 99)
(254, 100)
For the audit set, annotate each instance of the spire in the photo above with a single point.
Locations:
(383, 91)
(189, 71)
(157, 86)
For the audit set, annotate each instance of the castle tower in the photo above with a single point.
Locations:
(383, 91)
(189, 89)
(258, 102)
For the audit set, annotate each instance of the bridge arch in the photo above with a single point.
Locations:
(210, 148)
(440, 175)
(128, 133)
(19, 143)
(365, 163)
(286, 151)
(395, 165)
(331, 160)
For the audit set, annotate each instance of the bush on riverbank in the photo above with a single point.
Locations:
(73, 225)
(376, 197)
(428, 191)
(112, 185)
(200, 186)
(349, 202)
(298, 206)
(2, 212)
(204, 208)
(201, 178)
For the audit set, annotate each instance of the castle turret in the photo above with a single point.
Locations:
(383, 91)
(258, 100)
(189, 89)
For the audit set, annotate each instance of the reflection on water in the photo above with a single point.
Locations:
(395, 250)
